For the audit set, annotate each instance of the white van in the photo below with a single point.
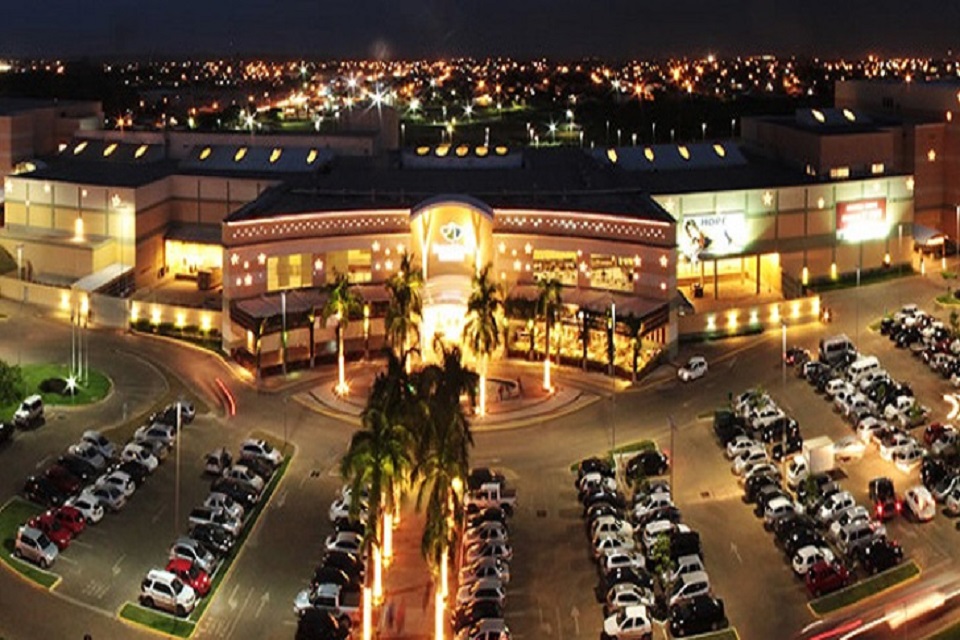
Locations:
(862, 367)
(29, 413)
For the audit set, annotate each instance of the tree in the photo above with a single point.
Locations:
(406, 304)
(11, 384)
(481, 332)
(344, 302)
(549, 293)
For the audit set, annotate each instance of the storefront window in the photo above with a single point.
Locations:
(611, 272)
(561, 265)
(187, 258)
(356, 263)
(289, 272)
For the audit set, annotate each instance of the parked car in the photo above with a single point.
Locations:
(79, 467)
(879, 555)
(159, 432)
(216, 517)
(59, 534)
(194, 551)
(260, 450)
(628, 624)
(218, 500)
(214, 538)
(34, 545)
(119, 480)
(89, 506)
(70, 518)
(243, 494)
(90, 453)
(886, 503)
(103, 446)
(164, 590)
(42, 490)
(849, 448)
(826, 577)
(697, 615)
(625, 595)
(242, 473)
(62, 479)
(487, 589)
(217, 461)
(647, 464)
(30, 413)
(190, 574)
(689, 585)
(806, 557)
(139, 453)
(137, 472)
(109, 496)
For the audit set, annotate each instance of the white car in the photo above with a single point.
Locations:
(340, 508)
(834, 506)
(486, 532)
(628, 624)
(908, 459)
(868, 427)
(748, 457)
(849, 448)
(659, 528)
(217, 500)
(951, 501)
(900, 406)
(695, 368)
(243, 474)
(797, 471)
(595, 482)
(855, 405)
(164, 590)
(947, 440)
(766, 416)
(625, 594)
(120, 480)
(345, 541)
(163, 433)
(109, 496)
(919, 503)
(740, 444)
(89, 506)
(613, 543)
(486, 589)
(762, 468)
(778, 508)
(141, 454)
(261, 450)
(106, 448)
(217, 518)
(656, 502)
(500, 550)
(608, 525)
(493, 569)
(633, 560)
(835, 386)
(896, 442)
(808, 556)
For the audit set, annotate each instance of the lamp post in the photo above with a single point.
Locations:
(956, 238)
(176, 495)
(20, 259)
(283, 329)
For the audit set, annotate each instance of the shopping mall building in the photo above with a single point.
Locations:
(250, 229)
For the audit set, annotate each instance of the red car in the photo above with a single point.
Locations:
(70, 518)
(191, 575)
(63, 480)
(932, 432)
(57, 533)
(824, 577)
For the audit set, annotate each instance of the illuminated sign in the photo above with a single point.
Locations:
(711, 236)
(455, 250)
(862, 220)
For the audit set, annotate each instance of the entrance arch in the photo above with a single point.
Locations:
(452, 235)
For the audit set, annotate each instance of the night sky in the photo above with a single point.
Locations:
(443, 28)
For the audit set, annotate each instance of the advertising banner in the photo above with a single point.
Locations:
(861, 220)
(711, 236)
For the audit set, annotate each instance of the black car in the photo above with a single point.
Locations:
(780, 429)
(802, 537)
(614, 498)
(590, 465)
(474, 612)
(491, 514)
(620, 575)
(907, 337)
(481, 476)
(42, 490)
(137, 472)
(259, 466)
(886, 325)
(812, 370)
(932, 471)
(602, 509)
(326, 574)
(346, 562)
(696, 615)
(213, 537)
(236, 490)
(755, 483)
(671, 514)
(812, 487)
(780, 450)
(784, 527)
(766, 497)
(879, 555)
(317, 624)
(349, 524)
(79, 467)
(6, 431)
(646, 464)
(685, 543)
(796, 356)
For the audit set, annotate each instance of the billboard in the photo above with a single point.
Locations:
(712, 236)
(861, 220)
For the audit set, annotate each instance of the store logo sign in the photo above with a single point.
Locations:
(455, 249)
(862, 220)
(451, 232)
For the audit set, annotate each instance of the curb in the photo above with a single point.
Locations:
(883, 591)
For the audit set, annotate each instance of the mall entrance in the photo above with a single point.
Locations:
(730, 278)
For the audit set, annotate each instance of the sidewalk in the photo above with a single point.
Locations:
(408, 586)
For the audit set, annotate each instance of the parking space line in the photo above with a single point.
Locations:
(43, 462)
(115, 569)
(156, 517)
(66, 559)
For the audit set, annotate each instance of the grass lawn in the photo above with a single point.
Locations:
(864, 589)
(158, 620)
(184, 628)
(13, 514)
(630, 447)
(94, 390)
(948, 300)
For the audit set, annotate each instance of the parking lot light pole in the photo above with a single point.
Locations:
(673, 455)
(176, 496)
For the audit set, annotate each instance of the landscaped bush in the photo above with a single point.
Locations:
(58, 386)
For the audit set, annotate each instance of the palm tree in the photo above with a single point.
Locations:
(548, 303)
(443, 449)
(406, 304)
(343, 302)
(481, 332)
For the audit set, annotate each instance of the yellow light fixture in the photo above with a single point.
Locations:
(442, 150)
(155, 316)
(833, 270)
(481, 152)
(205, 153)
(612, 156)
(134, 312)
(110, 148)
(181, 320)
(77, 150)
(684, 152)
(205, 323)
(275, 155)
(501, 151)
(240, 154)
(818, 115)
(805, 276)
(312, 156)
(648, 154)
(849, 115)
(422, 151)
(462, 151)
(142, 149)
(719, 150)
(932, 155)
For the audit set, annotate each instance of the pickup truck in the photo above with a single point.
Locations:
(491, 494)
(342, 602)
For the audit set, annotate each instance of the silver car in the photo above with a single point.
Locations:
(219, 500)
(216, 517)
(34, 545)
(120, 480)
(106, 448)
(194, 551)
(110, 497)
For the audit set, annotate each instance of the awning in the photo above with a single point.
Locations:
(599, 301)
(923, 234)
(210, 234)
(264, 314)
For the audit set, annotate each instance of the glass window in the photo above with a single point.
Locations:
(289, 272)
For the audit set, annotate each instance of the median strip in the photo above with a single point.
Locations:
(14, 514)
(864, 589)
(184, 627)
